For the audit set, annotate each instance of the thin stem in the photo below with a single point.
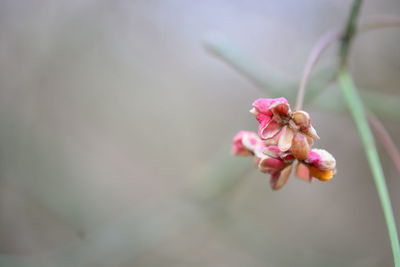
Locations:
(379, 21)
(322, 45)
(385, 139)
(350, 31)
(355, 105)
(319, 48)
(357, 111)
(258, 74)
(330, 38)
(276, 84)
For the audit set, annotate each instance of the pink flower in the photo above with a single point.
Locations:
(283, 138)
(319, 164)
(262, 110)
(278, 164)
(270, 159)
(279, 122)
(244, 143)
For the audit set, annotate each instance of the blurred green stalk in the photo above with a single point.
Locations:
(357, 111)
(276, 84)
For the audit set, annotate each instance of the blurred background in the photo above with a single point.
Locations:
(115, 130)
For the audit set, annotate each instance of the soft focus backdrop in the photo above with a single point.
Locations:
(115, 126)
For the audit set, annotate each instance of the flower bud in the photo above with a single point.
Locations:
(310, 131)
(300, 147)
(301, 119)
(322, 159)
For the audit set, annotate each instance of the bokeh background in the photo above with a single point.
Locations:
(115, 129)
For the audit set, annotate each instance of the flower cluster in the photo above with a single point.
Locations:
(283, 138)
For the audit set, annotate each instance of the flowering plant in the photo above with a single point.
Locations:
(284, 137)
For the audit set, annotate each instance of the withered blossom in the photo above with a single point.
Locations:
(270, 159)
(291, 130)
(283, 138)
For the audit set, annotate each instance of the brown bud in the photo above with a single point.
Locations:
(301, 119)
(311, 132)
(300, 147)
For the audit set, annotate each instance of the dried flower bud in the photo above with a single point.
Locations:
(321, 164)
(310, 131)
(284, 137)
(322, 159)
(300, 147)
(301, 119)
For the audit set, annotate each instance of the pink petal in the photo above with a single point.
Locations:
(239, 145)
(262, 105)
(314, 158)
(279, 179)
(272, 151)
(256, 161)
(288, 157)
(250, 141)
(259, 150)
(303, 172)
(322, 159)
(270, 130)
(263, 119)
(280, 109)
(285, 142)
(271, 164)
(273, 141)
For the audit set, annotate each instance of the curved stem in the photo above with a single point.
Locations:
(330, 38)
(319, 48)
(379, 21)
(349, 32)
(356, 107)
(357, 111)
(385, 139)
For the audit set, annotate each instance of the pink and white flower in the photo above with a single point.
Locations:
(319, 164)
(284, 137)
(278, 164)
(278, 121)
(245, 143)
(272, 160)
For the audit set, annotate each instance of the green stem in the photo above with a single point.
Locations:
(357, 111)
(349, 31)
(355, 105)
